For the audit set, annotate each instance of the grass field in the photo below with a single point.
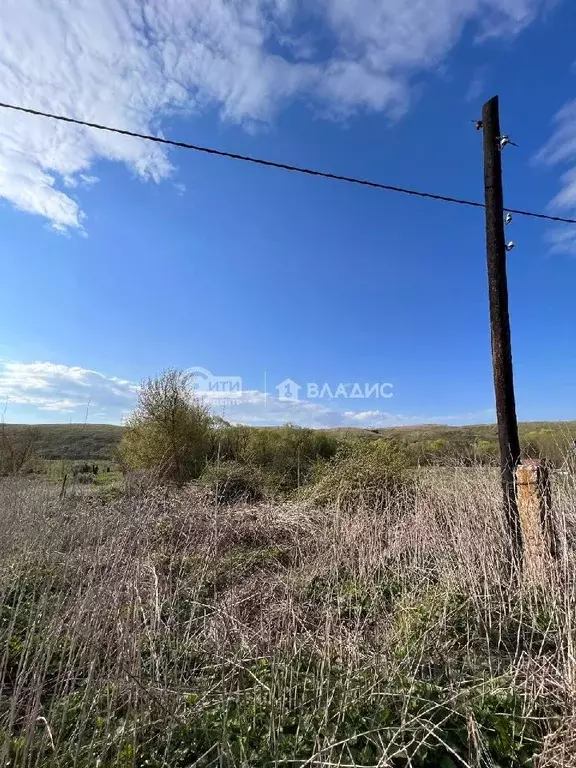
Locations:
(163, 630)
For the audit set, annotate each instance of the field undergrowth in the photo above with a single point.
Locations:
(165, 630)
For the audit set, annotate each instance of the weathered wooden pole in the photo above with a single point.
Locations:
(539, 536)
(500, 321)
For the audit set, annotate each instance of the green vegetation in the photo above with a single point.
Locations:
(170, 431)
(449, 446)
(285, 457)
(362, 473)
(172, 436)
(433, 444)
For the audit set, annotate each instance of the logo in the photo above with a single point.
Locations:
(288, 391)
(217, 389)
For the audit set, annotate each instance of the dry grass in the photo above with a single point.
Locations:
(158, 631)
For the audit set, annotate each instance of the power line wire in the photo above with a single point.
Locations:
(281, 166)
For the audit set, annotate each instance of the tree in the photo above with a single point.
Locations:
(170, 430)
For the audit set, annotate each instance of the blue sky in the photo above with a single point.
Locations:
(120, 259)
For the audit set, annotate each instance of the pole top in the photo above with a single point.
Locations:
(490, 108)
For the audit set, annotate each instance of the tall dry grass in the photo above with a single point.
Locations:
(162, 631)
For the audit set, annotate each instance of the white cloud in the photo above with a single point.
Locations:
(258, 409)
(60, 388)
(130, 63)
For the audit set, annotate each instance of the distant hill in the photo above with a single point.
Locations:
(73, 441)
(420, 432)
(99, 441)
(476, 431)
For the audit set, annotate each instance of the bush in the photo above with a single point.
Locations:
(362, 474)
(286, 454)
(231, 482)
(170, 430)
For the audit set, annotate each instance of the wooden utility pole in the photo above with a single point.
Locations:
(500, 320)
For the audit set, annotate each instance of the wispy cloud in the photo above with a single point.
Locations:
(131, 63)
(561, 149)
(477, 84)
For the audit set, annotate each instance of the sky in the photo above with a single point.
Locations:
(290, 298)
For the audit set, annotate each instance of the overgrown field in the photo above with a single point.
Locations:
(166, 629)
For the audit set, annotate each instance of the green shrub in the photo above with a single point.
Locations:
(170, 430)
(286, 455)
(362, 474)
(232, 482)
